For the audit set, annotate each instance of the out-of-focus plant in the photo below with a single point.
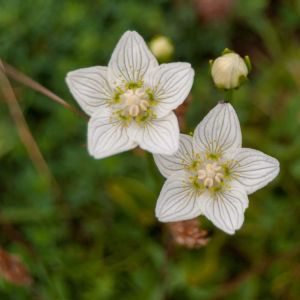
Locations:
(162, 47)
(100, 240)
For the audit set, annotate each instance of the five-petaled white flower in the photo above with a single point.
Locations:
(211, 174)
(130, 102)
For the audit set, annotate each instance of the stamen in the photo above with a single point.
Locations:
(201, 174)
(209, 175)
(133, 110)
(144, 105)
(135, 102)
(219, 177)
(208, 182)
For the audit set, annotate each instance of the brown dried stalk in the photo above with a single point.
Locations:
(21, 125)
(29, 82)
(12, 269)
(25, 133)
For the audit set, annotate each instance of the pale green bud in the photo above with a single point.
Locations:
(229, 71)
(162, 47)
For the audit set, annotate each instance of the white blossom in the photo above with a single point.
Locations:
(162, 47)
(229, 71)
(211, 174)
(130, 102)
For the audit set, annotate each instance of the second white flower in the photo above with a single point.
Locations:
(211, 174)
(131, 101)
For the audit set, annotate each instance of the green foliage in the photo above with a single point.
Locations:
(97, 238)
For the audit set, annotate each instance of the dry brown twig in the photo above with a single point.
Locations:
(25, 134)
(29, 82)
(21, 125)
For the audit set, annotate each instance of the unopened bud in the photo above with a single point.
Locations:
(162, 47)
(230, 70)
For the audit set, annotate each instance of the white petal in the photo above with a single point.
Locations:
(177, 200)
(170, 84)
(89, 86)
(182, 158)
(160, 136)
(219, 132)
(226, 208)
(107, 135)
(254, 169)
(131, 59)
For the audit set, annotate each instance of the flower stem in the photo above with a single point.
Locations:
(229, 95)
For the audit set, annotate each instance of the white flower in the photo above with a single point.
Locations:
(211, 174)
(229, 71)
(130, 102)
(162, 47)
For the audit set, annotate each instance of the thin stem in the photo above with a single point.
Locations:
(26, 136)
(229, 95)
(29, 82)
(21, 125)
(153, 171)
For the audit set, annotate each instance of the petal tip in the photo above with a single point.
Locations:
(131, 34)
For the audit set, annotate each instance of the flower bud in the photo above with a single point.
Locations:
(162, 47)
(229, 71)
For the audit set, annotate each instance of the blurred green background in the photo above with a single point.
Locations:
(95, 236)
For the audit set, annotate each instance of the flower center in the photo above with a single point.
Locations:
(135, 102)
(210, 175)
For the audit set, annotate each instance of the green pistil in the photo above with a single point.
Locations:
(134, 85)
(116, 98)
(216, 189)
(142, 118)
(126, 119)
(213, 156)
(151, 98)
(145, 116)
(226, 171)
(196, 184)
(194, 165)
(150, 95)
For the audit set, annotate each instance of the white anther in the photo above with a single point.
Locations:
(135, 102)
(219, 177)
(144, 104)
(201, 174)
(216, 167)
(208, 182)
(140, 93)
(130, 100)
(210, 171)
(209, 175)
(133, 110)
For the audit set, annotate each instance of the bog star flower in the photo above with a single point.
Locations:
(211, 174)
(230, 70)
(131, 101)
(162, 47)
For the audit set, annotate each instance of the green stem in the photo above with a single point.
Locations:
(229, 95)
(153, 171)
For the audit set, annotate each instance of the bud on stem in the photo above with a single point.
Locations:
(230, 70)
